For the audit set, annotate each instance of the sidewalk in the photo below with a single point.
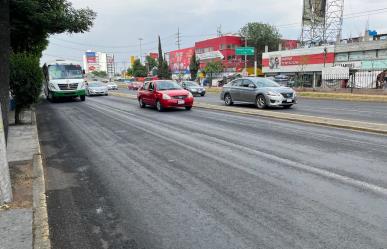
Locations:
(23, 222)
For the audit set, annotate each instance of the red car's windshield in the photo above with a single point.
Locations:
(167, 85)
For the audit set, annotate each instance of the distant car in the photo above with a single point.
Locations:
(262, 92)
(164, 94)
(193, 87)
(96, 88)
(135, 85)
(112, 86)
(282, 80)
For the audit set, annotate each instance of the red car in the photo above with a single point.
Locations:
(164, 94)
(135, 85)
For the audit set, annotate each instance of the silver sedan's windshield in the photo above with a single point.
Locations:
(264, 82)
(95, 84)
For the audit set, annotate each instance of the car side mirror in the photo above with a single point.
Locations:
(252, 86)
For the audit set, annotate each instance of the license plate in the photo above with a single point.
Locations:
(289, 100)
(180, 102)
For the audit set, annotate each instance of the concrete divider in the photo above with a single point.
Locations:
(5, 180)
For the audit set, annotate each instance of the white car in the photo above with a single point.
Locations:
(96, 88)
(112, 86)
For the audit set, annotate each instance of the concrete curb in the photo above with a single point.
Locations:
(40, 227)
(337, 123)
(331, 122)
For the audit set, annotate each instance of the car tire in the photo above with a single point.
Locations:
(287, 106)
(82, 97)
(106, 94)
(261, 102)
(159, 106)
(228, 100)
(202, 94)
(141, 103)
(188, 108)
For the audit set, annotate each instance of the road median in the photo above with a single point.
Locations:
(332, 122)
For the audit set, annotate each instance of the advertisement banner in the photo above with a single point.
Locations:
(91, 57)
(314, 12)
(179, 60)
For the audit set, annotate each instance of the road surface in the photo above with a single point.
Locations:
(123, 177)
(375, 112)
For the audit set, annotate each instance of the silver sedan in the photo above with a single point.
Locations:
(262, 92)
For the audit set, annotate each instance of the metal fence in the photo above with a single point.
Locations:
(362, 79)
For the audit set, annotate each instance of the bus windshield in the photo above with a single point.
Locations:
(57, 72)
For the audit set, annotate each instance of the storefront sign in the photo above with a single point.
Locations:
(210, 55)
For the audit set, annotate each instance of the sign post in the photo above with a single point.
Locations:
(245, 51)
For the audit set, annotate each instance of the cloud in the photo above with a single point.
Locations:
(122, 22)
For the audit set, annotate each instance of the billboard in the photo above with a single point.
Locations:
(91, 57)
(154, 55)
(179, 60)
(314, 12)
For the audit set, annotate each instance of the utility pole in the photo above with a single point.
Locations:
(179, 54)
(140, 39)
(178, 41)
(245, 55)
(219, 30)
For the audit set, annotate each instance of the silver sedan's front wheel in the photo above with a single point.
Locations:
(228, 99)
(261, 102)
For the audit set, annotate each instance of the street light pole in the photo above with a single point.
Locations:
(140, 39)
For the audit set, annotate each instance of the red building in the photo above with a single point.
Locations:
(221, 49)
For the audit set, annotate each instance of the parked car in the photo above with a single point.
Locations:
(96, 88)
(135, 85)
(193, 87)
(164, 94)
(112, 86)
(262, 92)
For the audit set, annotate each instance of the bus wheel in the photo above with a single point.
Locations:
(83, 97)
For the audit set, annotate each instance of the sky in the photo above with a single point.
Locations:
(120, 24)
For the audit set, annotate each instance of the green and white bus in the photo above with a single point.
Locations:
(63, 79)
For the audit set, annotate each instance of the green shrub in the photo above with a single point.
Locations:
(26, 80)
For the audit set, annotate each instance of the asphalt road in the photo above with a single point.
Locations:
(375, 112)
(123, 177)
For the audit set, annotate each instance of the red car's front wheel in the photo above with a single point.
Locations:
(141, 103)
(159, 106)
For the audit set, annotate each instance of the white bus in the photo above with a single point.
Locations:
(63, 79)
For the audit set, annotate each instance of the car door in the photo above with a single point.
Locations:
(152, 93)
(246, 92)
(235, 89)
(145, 93)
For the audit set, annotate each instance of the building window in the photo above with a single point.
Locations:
(341, 57)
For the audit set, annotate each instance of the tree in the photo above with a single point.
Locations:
(166, 72)
(194, 66)
(138, 69)
(26, 80)
(5, 44)
(160, 72)
(101, 74)
(32, 21)
(213, 68)
(150, 63)
(259, 35)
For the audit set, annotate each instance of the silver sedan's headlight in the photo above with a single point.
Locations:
(270, 93)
